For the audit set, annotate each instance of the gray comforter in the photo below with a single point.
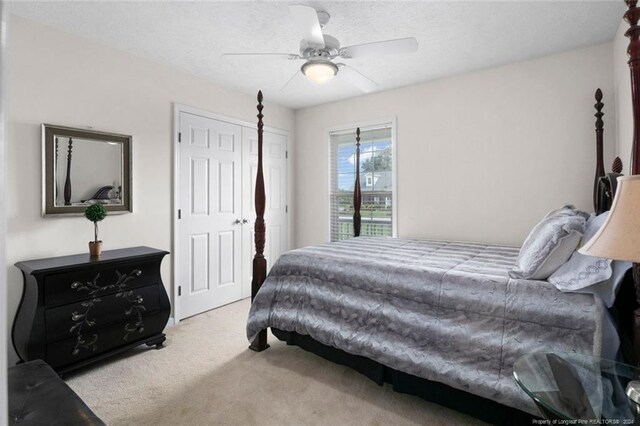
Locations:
(443, 311)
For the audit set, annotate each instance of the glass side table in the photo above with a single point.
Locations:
(583, 388)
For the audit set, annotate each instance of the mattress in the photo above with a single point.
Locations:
(443, 311)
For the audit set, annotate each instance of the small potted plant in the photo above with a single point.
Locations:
(95, 213)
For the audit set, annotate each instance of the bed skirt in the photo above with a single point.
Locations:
(472, 405)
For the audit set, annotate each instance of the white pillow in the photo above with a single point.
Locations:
(588, 274)
(607, 290)
(550, 244)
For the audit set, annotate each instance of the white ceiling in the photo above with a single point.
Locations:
(454, 37)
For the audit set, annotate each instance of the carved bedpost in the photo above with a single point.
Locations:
(616, 166)
(259, 262)
(599, 151)
(357, 194)
(631, 16)
(636, 313)
(67, 182)
(57, 189)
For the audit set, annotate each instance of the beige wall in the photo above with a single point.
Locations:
(481, 156)
(61, 79)
(622, 88)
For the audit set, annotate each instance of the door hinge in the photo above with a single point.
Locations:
(179, 290)
(286, 208)
(179, 136)
(286, 154)
(179, 213)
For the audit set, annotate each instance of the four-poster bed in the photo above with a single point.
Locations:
(455, 342)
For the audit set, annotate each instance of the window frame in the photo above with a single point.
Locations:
(394, 165)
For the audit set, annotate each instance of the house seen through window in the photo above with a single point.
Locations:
(376, 181)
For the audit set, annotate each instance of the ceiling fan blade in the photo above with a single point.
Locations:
(274, 55)
(306, 18)
(358, 79)
(293, 77)
(387, 47)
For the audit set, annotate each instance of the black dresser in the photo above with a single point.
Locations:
(76, 309)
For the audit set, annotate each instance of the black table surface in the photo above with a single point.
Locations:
(61, 262)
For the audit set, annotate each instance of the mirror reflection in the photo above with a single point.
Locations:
(87, 172)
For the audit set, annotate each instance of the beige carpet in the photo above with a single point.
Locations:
(206, 376)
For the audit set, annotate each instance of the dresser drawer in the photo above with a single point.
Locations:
(83, 317)
(70, 351)
(88, 283)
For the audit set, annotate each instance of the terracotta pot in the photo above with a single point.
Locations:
(95, 248)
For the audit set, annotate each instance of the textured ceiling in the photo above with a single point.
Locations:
(454, 37)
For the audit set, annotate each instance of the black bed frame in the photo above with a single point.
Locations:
(626, 309)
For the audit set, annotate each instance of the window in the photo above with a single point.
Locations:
(376, 181)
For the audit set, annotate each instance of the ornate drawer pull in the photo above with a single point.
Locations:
(75, 316)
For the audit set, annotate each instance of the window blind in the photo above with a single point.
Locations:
(376, 181)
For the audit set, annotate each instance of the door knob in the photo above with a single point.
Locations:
(245, 220)
(237, 222)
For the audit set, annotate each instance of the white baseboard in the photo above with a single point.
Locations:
(171, 322)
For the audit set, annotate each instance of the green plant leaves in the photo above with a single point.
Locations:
(95, 212)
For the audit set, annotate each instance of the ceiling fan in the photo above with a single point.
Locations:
(319, 51)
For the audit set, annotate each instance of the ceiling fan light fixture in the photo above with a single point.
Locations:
(319, 71)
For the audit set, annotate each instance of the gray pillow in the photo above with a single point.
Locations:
(550, 244)
(568, 210)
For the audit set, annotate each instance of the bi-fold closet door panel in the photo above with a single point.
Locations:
(211, 203)
(217, 171)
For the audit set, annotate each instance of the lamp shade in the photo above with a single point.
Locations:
(619, 237)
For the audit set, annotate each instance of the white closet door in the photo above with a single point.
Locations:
(210, 229)
(275, 179)
(275, 171)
